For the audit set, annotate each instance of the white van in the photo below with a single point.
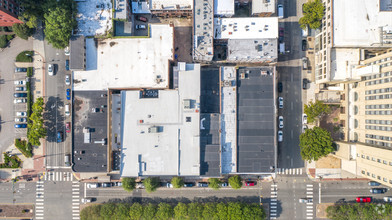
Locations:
(67, 110)
(280, 11)
(66, 160)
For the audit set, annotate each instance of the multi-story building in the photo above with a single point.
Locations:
(9, 10)
(263, 8)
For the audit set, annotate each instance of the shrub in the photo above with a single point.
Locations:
(151, 184)
(177, 182)
(25, 56)
(10, 37)
(214, 183)
(10, 161)
(3, 41)
(29, 71)
(128, 184)
(235, 182)
(24, 147)
(22, 30)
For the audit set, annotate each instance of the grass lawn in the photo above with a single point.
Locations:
(25, 56)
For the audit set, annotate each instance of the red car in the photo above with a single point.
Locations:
(363, 199)
(249, 183)
(68, 127)
(141, 18)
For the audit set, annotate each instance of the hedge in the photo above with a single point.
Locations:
(10, 161)
(360, 211)
(24, 147)
(29, 100)
(29, 71)
(25, 56)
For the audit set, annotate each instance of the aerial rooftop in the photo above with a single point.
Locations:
(162, 128)
(262, 6)
(171, 4)
(246, 28)
(251, 50)
(203, 30)
(94, 18)
(224, 7)
(128, 62)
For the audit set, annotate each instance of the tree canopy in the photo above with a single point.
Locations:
(235, 182)
(151, 184)
(214, 183)
(128, 183)
(22, 30)
(315, 143)
(177, 182)
(59, 23)
(313, 13)
(315, 110)
(360, 211)
(36, 128)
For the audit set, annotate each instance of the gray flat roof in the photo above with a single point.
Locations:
(252, 50)
(94, 158)
(256, 121)
(209, 145)
(78, 51)
(203, 30)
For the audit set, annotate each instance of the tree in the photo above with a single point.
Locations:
(107, 210)
(3, 41)
(36, 127)
(165, 211)
(22, 30)
(180, 211)
(149, 211)
(136, 211)
(235, 182)
(234, 210)
(128, 184)
(122, 211)
(195, 210)
(151, 184)
(177, 182)
(315, 110)
(209, 211)
(315, 143)
(214, 183)
(59, 23)
(221, 211)
(313, 14)
(29, 19)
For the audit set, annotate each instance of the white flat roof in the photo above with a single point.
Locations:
(246, 28)
(357, 22)
(128, 62)
(171, 4)
(261, 6)
(343, 61)
(175, 149)
(224, 7)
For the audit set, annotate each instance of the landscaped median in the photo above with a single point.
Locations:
(10, 161)
(24, 147)
(25, 56)
(359, 211)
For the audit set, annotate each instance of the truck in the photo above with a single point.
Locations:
(280, 11)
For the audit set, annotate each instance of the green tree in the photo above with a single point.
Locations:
(235, 182)
(22, 30)
(151, 184)
(91, 212)
(315, 110)
(165, 211)
(36, 128)
(128, 183)
(149, 211)
(136, 211)
(180, 211)
(59, 23)
(177, 182)
(3, 41)
(195, 210)
(234, 210)
(107, 210)
(209, 211)
(214, 183)
(122, 211)
(315, 143)
(29, 19)
(221, 211)
(313, 14)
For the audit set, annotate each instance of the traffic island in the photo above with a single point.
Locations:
(16, 211)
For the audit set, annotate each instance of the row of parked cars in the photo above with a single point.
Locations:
(20, 97)
(367, 199)
(103, 185)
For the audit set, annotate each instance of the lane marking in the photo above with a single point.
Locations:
(74, 196)
(319, 193)
(274, 200)
(309, 185)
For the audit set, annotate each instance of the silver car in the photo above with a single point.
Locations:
(17, 101)
(67, 80)
(305, 200)
(280, 121)
(280, 102)
(388, 199)
(50, 69)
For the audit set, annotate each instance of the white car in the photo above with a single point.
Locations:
(67, 80)
(280, 136)
(280, 102)
(50, 69)
(21, 114)
(280, 121)
(20, 82)
(92, 185)
(305, 200)
(86, 200)
(20, 88)
(304, 119)
(66, 51)
(20, 120)
(304, 127)
(16, 101)
(388, 199)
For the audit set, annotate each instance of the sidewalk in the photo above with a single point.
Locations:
(323, 174)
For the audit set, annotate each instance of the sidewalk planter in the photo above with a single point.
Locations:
(24, 147)
(25, 56)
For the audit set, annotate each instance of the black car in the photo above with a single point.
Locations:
(304, 83)
(303, 45)
(202, 184)
(188, 184)
(20, 70)
(106, 185)
(378, 190)
(374, 183)
(280, 87)
(18, 95)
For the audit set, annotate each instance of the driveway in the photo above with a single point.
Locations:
(7, 107)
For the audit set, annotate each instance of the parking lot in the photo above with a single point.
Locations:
(90, 131)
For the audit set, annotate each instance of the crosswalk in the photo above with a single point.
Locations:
(274, 201)
(75, 200)
(58, 176)
(289, 171)
(39, 200)
(309, 206)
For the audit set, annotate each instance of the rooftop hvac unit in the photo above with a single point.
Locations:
(153, 129)
(187, 103)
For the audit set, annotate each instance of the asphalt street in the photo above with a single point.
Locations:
(55, 90)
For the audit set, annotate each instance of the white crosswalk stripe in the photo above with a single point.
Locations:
(273, 202)
(59, 176)
(289, 171)
(39, 200)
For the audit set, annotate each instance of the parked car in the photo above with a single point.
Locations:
(105, 185)
(202, 184)
(59, 136)
(79, 151)
(303, 45)
(363, 199)
(118, 183)
(50, 70)
(374, 183)
(378, 190)
(280, 87)
(305, 200)
(22, 88)
(20, 70)
(188, 184)
(249, 183)
(86, 200)
(68, 92)
(66, 51)
(304, 127)
(280, 102)
(304, 63)
(388, 199)
(166, 184)
(224, 184)
(18, 95)
(141, 186)
(304, 119)
(20, 82)
(20, 120)
(21, 114)
(141, 18)
(281, 35)
(67, 80)
(140, 27)
(20, 125)
(67, 65)
(92, 185)
(280, 136)
(68, 127)
(280, 121)
(304, 83)
(18, 101)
